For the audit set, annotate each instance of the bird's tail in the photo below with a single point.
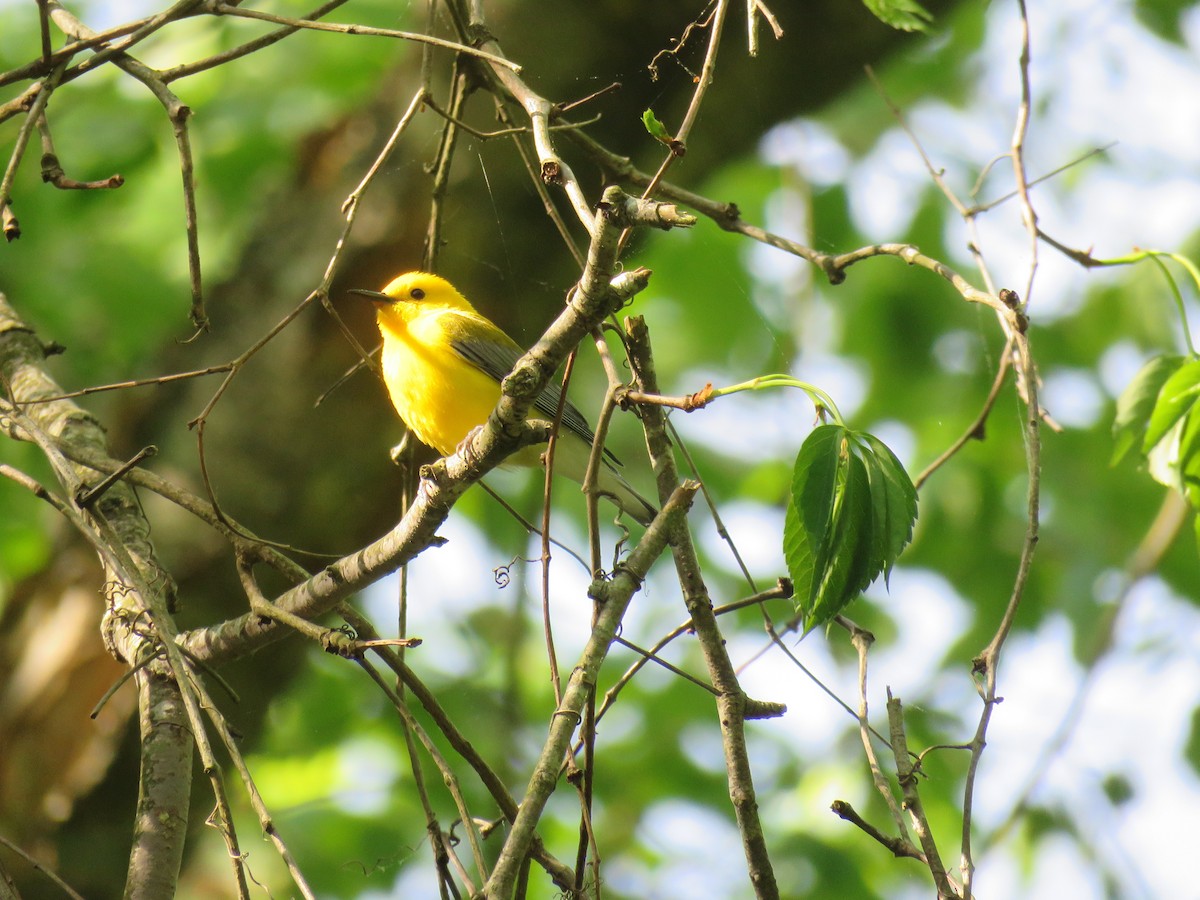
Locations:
(571, 459)
(631, 502)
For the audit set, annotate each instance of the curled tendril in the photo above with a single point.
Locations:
(503, 575)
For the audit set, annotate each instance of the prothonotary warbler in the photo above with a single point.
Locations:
(442, 364)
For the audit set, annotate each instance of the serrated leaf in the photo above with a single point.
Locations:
(814, 476)
(1136, 403)
(847, 573)
(849, 515)
(797, 552)
(904, 15)
(1177, 395)
(809, 523)
(816, 484)
(892, 489)
(859, 525)
(880, 511)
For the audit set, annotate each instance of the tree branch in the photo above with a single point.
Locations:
(732, 703)
(614, 596)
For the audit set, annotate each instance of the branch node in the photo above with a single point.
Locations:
(9, 223)
(763, 709)
(85, 496)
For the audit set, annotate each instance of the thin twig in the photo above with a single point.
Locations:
(460, 86)
(906, 772)
(338, 28)
(447, 773)
(259, 43)
(32, 862)
(616, 594)
(652, 655)
(732, 701)
(1020, 133)
(899, 846)
(265, 820)
(1145, 559)
(974, 431)
(862, 640)
(987, 662)
(561, 874)
(36, 109)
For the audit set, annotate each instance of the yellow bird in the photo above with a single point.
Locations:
(442, 364)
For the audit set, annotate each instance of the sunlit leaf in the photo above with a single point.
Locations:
(1162, 460)
(1176, 397)
(1189, 455)
(905, 15)
(1136, 403)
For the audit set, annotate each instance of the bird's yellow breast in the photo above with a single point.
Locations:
(438, 394)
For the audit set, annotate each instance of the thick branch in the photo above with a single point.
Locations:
(164, 787)
(139, 591)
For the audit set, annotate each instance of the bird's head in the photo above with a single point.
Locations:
(407, 294)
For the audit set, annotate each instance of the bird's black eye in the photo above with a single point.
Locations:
(417, 294)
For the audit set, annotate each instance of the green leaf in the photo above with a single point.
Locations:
(1175, 398)
(1136, 403)
(1189, 455)
(808, 527)
(880, 512)
(850, 514)
(797, 552)
(816, 486)
(656, 129)
(895, 502)
(659, 132)
(1163, 17)
(1191, 747)
(1162, 460)
(848, 571)
(1118, 789)
(810, 509)
(904, 15)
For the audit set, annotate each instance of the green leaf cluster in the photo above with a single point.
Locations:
(850, 514)
(1160, 413)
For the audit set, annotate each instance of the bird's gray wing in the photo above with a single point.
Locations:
(497, 360)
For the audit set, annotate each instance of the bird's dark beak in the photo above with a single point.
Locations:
(373, 296)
